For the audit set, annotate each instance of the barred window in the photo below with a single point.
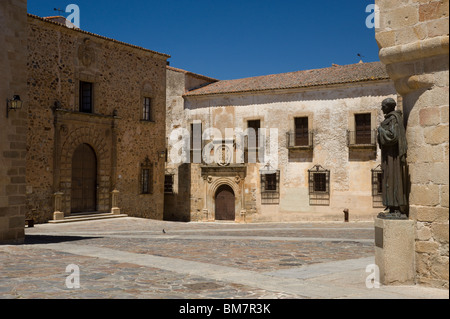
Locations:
(146, 178)
(147, 109)
(377, 187)
(168, 184)
(319, 186)
(270, 188)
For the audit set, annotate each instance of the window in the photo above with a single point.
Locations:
(301, 131)
(377, 187)
(253, 139)
(147, 109)
(363, 129)
(86, 94)
(319, 186)
(270, 190)
(146, 177)
(196, 142)
(168, 184)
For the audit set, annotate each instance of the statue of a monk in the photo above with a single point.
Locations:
(393, 145)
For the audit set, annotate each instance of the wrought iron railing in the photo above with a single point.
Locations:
(362, 138)
(296, 140)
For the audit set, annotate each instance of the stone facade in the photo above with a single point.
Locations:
(330, 109)
(120, 77)
(13, 41)
(414, 45)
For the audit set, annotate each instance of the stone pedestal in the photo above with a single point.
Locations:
(394, 251)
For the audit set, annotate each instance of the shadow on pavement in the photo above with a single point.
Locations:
(48, 239)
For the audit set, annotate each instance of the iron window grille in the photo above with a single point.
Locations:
(319, 186)
(146, 177)
(147, 109)
(377, 187)
(168, 184)
(270, 188)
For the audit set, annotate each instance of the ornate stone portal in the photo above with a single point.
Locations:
(214, 178)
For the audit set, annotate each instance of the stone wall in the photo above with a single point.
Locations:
(414, 44)
(331, 112)
(122, 76)
(13, 39)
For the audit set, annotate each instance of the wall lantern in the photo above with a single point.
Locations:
(14, 104)
(162, 154)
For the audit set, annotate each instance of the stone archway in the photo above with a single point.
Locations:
(97, 140)
(225, 207)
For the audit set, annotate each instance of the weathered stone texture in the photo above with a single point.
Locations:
(13, 41)
(122, 75)
(414, 44)
(331, 112)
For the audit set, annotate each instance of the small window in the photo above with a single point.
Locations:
(363, 129)
(319, 186)
(377, 187)
(168, 184)
(86, 94)
(147, 109)
(196, 142)
(253, 140)
(146, 177)
(301, 131)
(270, 189)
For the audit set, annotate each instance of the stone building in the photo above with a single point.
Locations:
(96, 124)
(413, 37)
(319, 155)
(13, 123)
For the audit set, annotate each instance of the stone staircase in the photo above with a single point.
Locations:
(87, 217)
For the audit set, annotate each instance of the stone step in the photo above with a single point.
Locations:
(86, 217)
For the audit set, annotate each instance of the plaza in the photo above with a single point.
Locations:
(147, 259)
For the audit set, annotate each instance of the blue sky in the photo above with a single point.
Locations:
(233, 38)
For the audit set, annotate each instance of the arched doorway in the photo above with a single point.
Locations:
(84, 180)
(225, 203)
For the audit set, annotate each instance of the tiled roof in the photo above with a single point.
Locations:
(49, 20)
(192, 74)
(336, 74)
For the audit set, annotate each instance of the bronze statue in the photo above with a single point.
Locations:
(393, 145)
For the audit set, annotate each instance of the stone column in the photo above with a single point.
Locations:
(414, 45)
(13, 129)
(115, 210)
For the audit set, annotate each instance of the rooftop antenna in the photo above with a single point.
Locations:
(60, 11)
(360, 56)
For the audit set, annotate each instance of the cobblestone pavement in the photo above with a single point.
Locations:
(135, 258)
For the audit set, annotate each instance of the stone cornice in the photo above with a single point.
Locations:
(416, 50)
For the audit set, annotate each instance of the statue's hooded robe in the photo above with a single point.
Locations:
(392, 141)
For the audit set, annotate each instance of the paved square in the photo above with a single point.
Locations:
(135, 258)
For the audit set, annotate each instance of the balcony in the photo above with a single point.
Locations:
(362, 139)
(300, 141)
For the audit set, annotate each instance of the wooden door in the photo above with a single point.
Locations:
(84, 180)
(225, 203)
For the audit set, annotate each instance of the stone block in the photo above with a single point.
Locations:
(433, 10)
(428, 247)
(440, 232)
(430, 116)
(424, 195)
(394, 251)
(429, 214)
(436, 134)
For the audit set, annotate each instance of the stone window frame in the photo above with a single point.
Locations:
(319, 197)
(291, 129)
(260, 148)
(352, 127)
(90, 78)
(270, 196)
(146, 185)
